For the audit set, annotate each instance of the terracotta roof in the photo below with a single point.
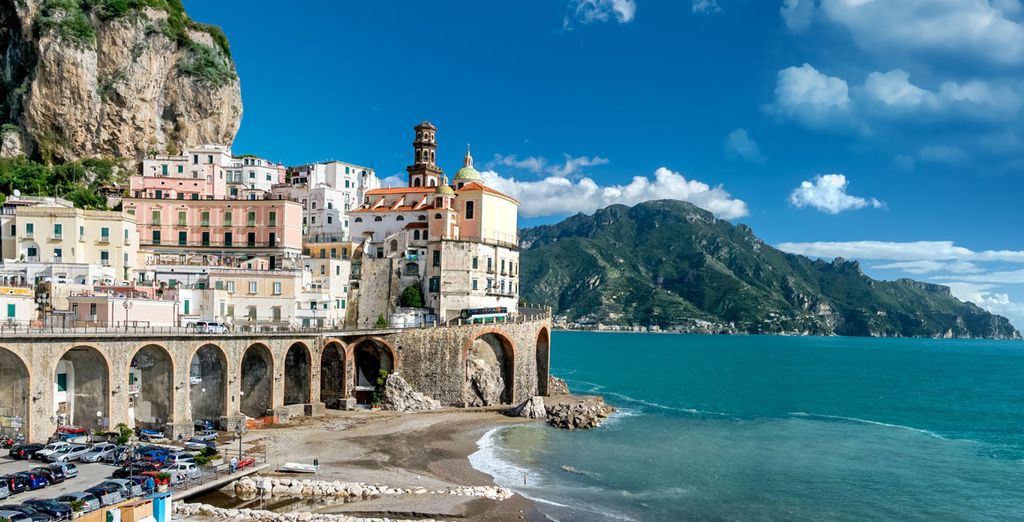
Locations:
(480, 186)
(403, 208)
(418, 224)
(400, 190)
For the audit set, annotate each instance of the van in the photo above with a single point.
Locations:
(210, 327)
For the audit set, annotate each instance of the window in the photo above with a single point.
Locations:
(252, 287)
(251, 219)
(181, 168)
(435, 284)
(330, 220)
(156, 237)
(227, 238)
(156, 217)
(57, 254)
(209, 159)
(92, 309)
(81, 231)
(502, 266)
(204, 219)
(378, 218)
(187, 303)
(105, 234)
(163, 170)
(250, 239)
(272, 239)
(359, 220)
(312, 305)
(490, 264)
(231, 311)
(476, 263)
(58, 230)
(195, 159)
(400, 218)
(272, 219)
(30, 229)
(469, 210)
(62, 378)
(416, 235)
(182, 238)
(323, 269)
(227, 218)
(206, 239)
(437, 258)
(334, 253)
(182, 218)
(32, 252)
(277, 288)
(104, 258)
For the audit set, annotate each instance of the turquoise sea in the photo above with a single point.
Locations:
(777, 428)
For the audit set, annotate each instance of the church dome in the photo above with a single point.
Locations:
(444, 190)
(467, 172)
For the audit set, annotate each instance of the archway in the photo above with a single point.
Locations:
(257, 381)
(543, 361)
(369, 358)
(14, 386)
(208, 384)
(82, 389)
(296, 375)
(332, 376)
(150, 387)
(490, 375)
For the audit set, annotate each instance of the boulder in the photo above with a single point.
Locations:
(485, 384)
(399, 396)
(579, 412)
(532, 408)
(557, 386)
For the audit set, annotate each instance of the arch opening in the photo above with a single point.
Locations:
(296, 375)
(543, 363)
(332, 376)
(257, 381)
(370, 357)
(82, 389)
(150, 388)
(208, 384)
(14, 386)
(490, 377)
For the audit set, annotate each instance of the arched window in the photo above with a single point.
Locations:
(378, 218)
(411, 269)
(359, 220)
(416, 182)
(433, 182)
(394, 245)
(416, 235)
(422, 217)
(437, 216)
(400, 218)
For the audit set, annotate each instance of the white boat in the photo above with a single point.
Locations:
(296, 467)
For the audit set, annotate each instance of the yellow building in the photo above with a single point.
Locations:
(60, 234)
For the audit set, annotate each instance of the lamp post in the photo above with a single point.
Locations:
(127, 306)
(239, 431)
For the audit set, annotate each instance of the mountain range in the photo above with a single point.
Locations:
(675, 266)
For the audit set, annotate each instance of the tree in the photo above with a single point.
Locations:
(412, 297)
(124, 433)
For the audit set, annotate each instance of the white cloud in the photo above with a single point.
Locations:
(395, 180)
(827, 193)
(894, 89)
(997, 303)
(974, 29)
(739, 144)
(900, 251)
(927, 266)
(571, 166)
(590, 11)
(798, 14)
(706, 6)
(559, 195)
(943, 154)
(806, 94)
(894, 93)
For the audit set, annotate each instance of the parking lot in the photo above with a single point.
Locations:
(89, 474)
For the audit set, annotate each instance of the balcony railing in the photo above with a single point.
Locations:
(215, 244)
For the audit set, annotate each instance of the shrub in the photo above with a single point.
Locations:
(381, 322)
(412, 297)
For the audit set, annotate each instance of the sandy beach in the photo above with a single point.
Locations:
(407, 450)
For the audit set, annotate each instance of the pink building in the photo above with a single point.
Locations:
(117, 311)
(233, 228)
(173, 182)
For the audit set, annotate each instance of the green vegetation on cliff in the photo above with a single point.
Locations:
(78, 182)
(671, 264)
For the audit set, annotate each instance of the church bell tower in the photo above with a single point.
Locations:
(424, 171)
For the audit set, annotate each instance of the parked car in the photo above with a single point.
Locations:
(5, 489)
(197, 444)
(16, 483)
(32, 513)
(115, 455)
(54, 476)
(50, 449)
(68, 454)
(70, 470)
(154, 455)
(14, 516)
(142, 481)
(97, 452)
(210, 327)
(89, 501)
(178, 457)
(35, 480)
(50, 507)
(203, 425)
(187, 470)
(130, 488)
(134, 470)
(25, 451)
(107, 495)
(205, 435)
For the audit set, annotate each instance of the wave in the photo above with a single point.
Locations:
(856, 420)
(665, 407)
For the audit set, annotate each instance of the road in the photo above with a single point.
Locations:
(89, 474)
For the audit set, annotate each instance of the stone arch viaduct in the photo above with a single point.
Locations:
(168, 381)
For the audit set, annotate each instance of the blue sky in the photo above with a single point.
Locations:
(884, 130)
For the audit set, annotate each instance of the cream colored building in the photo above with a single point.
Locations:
(62, 235)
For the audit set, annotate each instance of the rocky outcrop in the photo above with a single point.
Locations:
(581, 413)
(485, 384)
(79, 80)
(399, 396)
(532, 408)
(269, 487)
(557, 386)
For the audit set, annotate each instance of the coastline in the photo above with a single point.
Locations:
(425, 449)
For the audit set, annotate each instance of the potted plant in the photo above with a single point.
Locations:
(77, 508)
(163, 480)
(378, 390)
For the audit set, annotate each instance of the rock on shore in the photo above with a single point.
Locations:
(533, 408)
(578, 412)
(399, 396)
(267, 487)
(557, 386)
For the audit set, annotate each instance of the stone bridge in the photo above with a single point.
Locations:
(167, 381)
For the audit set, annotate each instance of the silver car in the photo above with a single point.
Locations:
(128, 487)
(15, 516)
(5, 490)
(89, 501)
(70, 470)
(98, 452)
(69, 453)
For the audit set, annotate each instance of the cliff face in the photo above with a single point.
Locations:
(112, 78)
(671, 264)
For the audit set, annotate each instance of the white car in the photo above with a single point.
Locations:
(50, 448)
(178, 458)
(210, 327)
(98, 452)
(184, 470)
(69, 453)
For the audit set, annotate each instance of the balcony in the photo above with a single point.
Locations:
(103, 240)
(56, 237)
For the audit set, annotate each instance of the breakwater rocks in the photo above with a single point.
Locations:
(568, 412)
(184, 509)
(267, 487)
(399, 396)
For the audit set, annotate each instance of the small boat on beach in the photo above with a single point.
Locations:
(295, 467)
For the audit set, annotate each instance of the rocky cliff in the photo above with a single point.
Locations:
(112, 78)
(673, 265)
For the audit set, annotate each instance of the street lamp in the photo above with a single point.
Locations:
(239, 431)
(127, 306)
